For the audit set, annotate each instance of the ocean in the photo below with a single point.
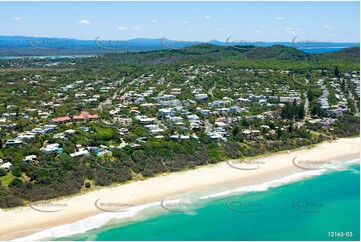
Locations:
(310, 205)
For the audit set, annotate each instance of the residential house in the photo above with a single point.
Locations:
(61, 120)
(13, 142)
(7, 166)
(201, 97)
(290, 100)
(84, 117)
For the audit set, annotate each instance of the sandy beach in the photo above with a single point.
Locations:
(23, 221)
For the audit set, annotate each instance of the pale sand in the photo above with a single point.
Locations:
(24, 221)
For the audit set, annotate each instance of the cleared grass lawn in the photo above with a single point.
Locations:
(5, 180)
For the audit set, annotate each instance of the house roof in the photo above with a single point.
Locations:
(84, 115)
(61, 119)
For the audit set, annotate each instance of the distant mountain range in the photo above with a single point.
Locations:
(28, 46)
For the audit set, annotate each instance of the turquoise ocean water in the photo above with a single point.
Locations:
(324, 207)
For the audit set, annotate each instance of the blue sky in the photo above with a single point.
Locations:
(202, 21)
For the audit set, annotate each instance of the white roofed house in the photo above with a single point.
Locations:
(145, 120)
(251, 134)
(175, 119)
(13, 142)
(243, 100)
(154, 129)
(201, 97)
(193, 118)
(166, 112)
(205, 112)
(70, 132)
(30, 158)
(174, 137)
(52, 148)
(81, 152)
(184, 137)
(26, 135)
(176, 91)
(235, 109)
(7, 166)
(290, 100)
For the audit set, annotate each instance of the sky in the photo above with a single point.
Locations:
(192, 21)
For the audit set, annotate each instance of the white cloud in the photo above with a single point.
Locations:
(207, 17)
(136, 28)
(16, 19)
(186, 22)
(122, 28)
(84, 21)
(191, 31)
(154, 21)
(279, 18)
(275, 33)
(258, 31)
(327, 27)
(331, 35)
(289, 30)
(218, 29)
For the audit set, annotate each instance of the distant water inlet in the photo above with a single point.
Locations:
(305, 44)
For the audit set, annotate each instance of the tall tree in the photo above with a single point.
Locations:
(337, 72)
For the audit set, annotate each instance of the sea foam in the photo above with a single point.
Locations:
(102, 219)
(85, 225)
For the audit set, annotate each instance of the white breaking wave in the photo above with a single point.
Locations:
(334, 165)
(100, 220)
(355, 161)
(270, 184)
(85, 225)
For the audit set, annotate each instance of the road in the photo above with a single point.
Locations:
(354, 102)
(307, 104)
(108, 101)
(210, 91)
(208, 126)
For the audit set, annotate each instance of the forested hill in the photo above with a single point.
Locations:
(277, 56)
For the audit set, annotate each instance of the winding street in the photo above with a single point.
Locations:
(210, 91)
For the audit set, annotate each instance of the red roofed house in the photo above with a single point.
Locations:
(220, 119)
(85, 117)
(61, 120)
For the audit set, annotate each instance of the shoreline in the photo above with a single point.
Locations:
(24, 221)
